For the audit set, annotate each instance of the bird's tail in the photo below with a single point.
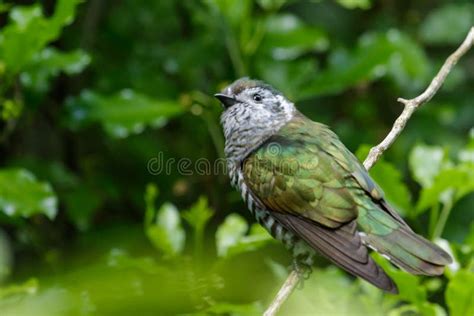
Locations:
(391, 237)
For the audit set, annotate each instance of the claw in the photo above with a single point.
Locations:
(304, 272)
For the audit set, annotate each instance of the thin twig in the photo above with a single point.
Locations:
(377, 151)
(283, 293)
(412, 104)
(443, 217)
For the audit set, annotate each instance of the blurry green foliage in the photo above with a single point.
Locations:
(6, 257)
(411, 290)
(390, 179)
(29, 287)
(197, 217)
(229, 233)
(353, 4)
(287, 37)
(232, 237)
(10, 110)
(163, 227)
(92, 91)
(29, 32)
(122, 114)
(447, 24)
(22, 195)
(49, 63)
(460, 293)
(425, 163)
(451, 183)
(376, 55)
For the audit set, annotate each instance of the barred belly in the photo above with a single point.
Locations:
(302, 253)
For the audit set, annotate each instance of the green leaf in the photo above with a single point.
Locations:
(235, 11)
(257, 238)
(430, 309)
(4, 7)
(167, 233)
(425, 163)
(229, 233)
(448, 24)
(287, 37)
(389, 178)
(10, 109)
(235, 309)
(121, 259)
(459, 179)
(421, 309)
(52, 301)
(231, 238)
(6, 257)
(199, 214)
(460, 294)
(81, 204)
(466, 154)
(29, 287)
(330, 292)
(197, 217)
(287, 76)
(22, 195)
(49, 63)
(355, 4)
(125, 113)
(26, 33)
(469, 241)
(163, 228)
(278, 270)
(271, 4)
(375, 56)
(64, 13)
(409, 285)
(29, 32)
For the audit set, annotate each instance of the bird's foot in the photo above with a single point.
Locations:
(303, 270)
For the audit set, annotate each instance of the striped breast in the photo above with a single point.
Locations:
(300, 250)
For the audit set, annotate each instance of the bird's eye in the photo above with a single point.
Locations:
(257, 97)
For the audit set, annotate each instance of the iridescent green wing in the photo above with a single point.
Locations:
(308, 183)
(296, 172)
(367, 194)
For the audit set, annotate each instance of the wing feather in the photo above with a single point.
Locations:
(343, 246)
(301, 177)
(312, 185)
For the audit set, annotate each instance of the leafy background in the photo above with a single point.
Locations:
(92, 93)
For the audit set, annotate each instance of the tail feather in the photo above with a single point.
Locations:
(406, 249)
(411, 253)
(343, 246)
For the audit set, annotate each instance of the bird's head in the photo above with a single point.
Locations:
(253, 111)
(255, 95)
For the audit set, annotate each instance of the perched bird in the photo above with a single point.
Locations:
(310, 192)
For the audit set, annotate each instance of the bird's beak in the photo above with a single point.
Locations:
(227, 101)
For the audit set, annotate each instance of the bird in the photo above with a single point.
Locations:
(311, 193)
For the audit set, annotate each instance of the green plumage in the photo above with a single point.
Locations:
(316, 188)
(303, 184)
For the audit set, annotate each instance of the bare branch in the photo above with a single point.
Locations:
(283, 293)
(412, 104)
(377, 151)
